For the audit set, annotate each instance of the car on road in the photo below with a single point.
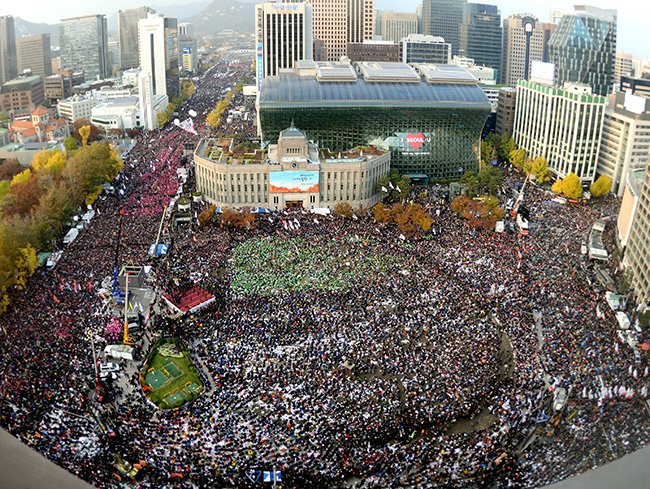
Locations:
(109, 367)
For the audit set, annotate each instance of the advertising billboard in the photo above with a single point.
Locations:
(294, 181)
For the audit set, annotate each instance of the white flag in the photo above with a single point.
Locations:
(187, 125)
(399, 189)
(384, 189)
(390, 184)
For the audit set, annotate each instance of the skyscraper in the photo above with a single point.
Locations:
(34, 54)
(562, 124)
(338, 22)
(361, 20)
(637, 253)
(523, 43)
(84, 45)
(127, 26)
(480, 35)
(443, 18)
(623, 66)
(397, 25)
(625, 144)
(282, 37)
(8, 57)
(583, 48)
(158, 39)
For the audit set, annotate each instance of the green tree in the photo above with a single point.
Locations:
(470, 180)
(572, 186)
(490, 180)
(602, 186)
(70, 144)
(398, 186)
(213, 118)
(488, 153)
(517, 158)
(539, 168)
(506, 146)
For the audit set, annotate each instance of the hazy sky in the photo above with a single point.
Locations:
(633, 15)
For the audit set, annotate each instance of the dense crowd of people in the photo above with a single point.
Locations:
(338, 352)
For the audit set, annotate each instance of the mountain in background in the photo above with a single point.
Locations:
(206, 17)
(26, 28)
(224, 14)
(175, 11)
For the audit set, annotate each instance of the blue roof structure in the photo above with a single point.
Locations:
(300, 91)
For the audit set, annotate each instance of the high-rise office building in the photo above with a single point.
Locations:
(34, 54)
(480, 35)
(638, 86)
(523, 43)
(637, 252)
(361, 20)
(338, 22)
(625, 144)
(127, 26)
(419, 48)
(283, 36)
(397, 25)
(158, 38)
(506, 106)
(623, 66)
(443, 18)
(84, 45)
(384, 51)
(8, 56)
(562, 124)
(186, 30)
(583, 48)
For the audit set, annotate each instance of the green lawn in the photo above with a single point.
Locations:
(182, 382)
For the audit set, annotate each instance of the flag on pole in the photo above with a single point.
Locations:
(390, 184)
(399, 189)
(186, 125)
(384, 189)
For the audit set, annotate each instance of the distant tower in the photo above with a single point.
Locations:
(339, 22)
(443, 18)
(8, 57)
(127, 26)
(583, 48)
(480, 35)
(159, 53)
(523, 43)
(283, 36)
(84, 45)
(34, 54)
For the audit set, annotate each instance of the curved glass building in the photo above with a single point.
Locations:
(429, 116)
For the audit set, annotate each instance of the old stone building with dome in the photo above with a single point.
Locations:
(294, 173)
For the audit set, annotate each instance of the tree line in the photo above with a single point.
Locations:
(36, 203)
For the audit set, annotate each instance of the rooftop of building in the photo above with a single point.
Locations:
(118, 103)
(575, 91)
(23, 80)
(635, 180)
(368, 84)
